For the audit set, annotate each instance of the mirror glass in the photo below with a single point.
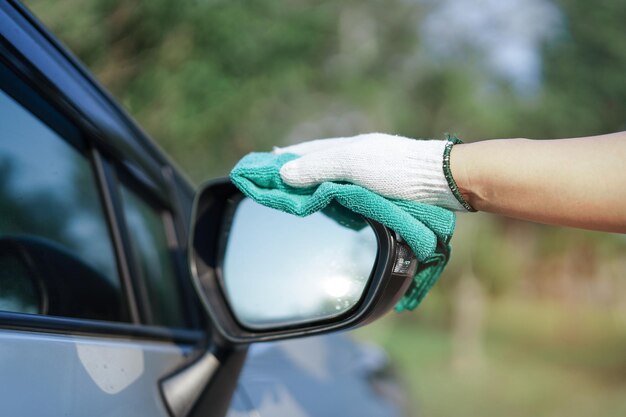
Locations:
(281, 270)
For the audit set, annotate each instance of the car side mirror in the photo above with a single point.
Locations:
(265, 275)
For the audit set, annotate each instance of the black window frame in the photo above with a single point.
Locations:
(125, 175)
(26, 77)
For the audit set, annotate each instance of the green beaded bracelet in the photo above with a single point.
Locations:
(453, 140)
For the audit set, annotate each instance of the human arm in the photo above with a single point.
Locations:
(579, 182)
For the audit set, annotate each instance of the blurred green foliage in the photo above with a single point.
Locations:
(213, 79)
(539, 361)
(543, 309)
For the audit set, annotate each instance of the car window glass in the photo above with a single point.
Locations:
(49, 199)
(154, 259)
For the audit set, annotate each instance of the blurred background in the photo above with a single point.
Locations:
(527, 319)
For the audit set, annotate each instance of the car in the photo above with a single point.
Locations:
(104, 310)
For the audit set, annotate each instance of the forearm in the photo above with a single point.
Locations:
(577, 182)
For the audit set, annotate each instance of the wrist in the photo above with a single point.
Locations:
(466, 171)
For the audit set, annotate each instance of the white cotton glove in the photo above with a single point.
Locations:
(392, 166)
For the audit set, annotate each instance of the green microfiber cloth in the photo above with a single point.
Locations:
(427, 229)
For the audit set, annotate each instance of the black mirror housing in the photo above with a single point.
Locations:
(389, 279)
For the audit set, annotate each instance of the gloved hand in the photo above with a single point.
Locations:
(392, 166)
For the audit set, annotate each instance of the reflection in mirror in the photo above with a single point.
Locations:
(281, 270)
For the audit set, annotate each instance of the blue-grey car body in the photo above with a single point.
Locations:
(55, 367)
(319, 376)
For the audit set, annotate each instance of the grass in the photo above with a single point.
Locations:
(539, 359)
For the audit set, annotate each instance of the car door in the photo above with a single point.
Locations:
(97, 316)
(94, 310)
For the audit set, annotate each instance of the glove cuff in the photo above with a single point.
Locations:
(427, 175)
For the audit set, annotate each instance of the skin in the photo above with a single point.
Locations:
(579, 182)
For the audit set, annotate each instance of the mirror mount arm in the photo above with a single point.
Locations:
(204, 387)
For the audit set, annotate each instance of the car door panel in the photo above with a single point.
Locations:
(65, 375)
(70, 365)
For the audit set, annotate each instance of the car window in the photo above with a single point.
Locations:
(57, 255)
(154, 256)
